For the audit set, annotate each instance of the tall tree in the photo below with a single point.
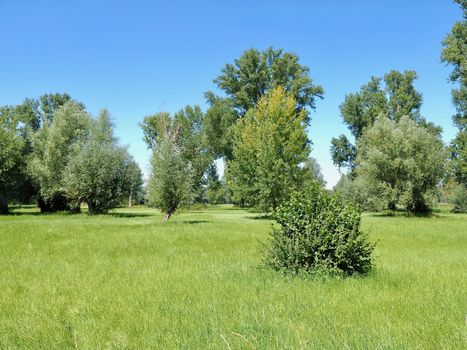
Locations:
(52, 146)
(359, 111)
(11, 148)
(188, 124)
(170, 184)
(401, 162)
(270, 144)
(455, 53)
(98, 168)
(246, 81)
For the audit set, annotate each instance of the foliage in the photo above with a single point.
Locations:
(215, 191)
(270, 144)
(52, 147)
(354, 190)
(359, 111)
(171, 182)
(318, 231)
(459, 199)
(188, 125)
(246, 81)
(401, 163)
(98, 169)
(313, 171)
(455, 53)
(11, 147)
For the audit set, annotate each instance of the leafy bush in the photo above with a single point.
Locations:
(318, 231)
(459, 199)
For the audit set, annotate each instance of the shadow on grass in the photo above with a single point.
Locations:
(267, 217)
(192, 222)
(407, 214)
(130, 215)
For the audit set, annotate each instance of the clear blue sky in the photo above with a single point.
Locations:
(140, 57)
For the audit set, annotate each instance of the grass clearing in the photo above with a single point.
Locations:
(126, 280)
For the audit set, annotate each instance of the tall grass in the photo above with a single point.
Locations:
(126, 280)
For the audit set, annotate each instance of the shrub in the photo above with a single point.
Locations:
(318, 232)
(459, 199)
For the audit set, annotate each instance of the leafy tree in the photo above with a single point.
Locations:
(270, 144)
(455, 53)
(313, 171)
(246, 81)
(359, 111)
(170, 184)
(11, 148)
(134, 182)
(214, 187)
(188, 125)
(98, 170)
(52, 146)
(318, 232)
(401, 162)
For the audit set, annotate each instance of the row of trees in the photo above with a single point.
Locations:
(259, 128)
(54, 152)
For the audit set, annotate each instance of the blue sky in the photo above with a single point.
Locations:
(140, 57)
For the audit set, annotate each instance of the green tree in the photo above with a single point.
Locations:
(11, 148)
(214, 186)
(313, 171)
(134, 183)
(52, 146)
(359, 111)
(98, 170)
(400, 162)
(188, 125)
(269, 147)
(246, 81)
(455, 53)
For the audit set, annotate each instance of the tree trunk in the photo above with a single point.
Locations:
(130, 198)
(169, 214)
(91, 208)
(3, 204)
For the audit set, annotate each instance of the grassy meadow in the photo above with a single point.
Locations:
(125, 280)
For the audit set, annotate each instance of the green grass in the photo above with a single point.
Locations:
(128, 281)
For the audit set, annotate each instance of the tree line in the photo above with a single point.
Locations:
(54, 151)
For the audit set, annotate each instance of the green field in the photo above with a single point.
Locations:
(125, 280)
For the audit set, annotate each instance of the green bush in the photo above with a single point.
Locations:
(318, 232)
(459, 199)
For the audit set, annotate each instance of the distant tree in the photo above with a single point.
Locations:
(134, 182)
(401, 162)
(246, 81)
(191, 139)
(455, 53)
(11, 148)
(170, 184)
(359, 111)
(214, 186)
(270, 144)
(313, 171)
(51, 149)
(98, 169)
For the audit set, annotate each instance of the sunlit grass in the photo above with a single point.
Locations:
(126, 280)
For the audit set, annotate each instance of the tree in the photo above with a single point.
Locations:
(214, 187)
(134, 181)
(170, 184)
(313, 171)
(52, 146)
(11, 147)
(401, 162)
(455, 53)
(246, 81)
(359, 111)
(188, 124)
(98, 169)
(270, 144)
